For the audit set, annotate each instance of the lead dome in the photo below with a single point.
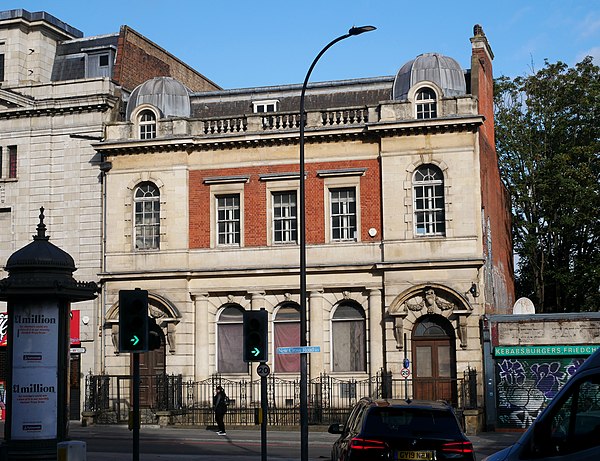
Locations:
(168, 95)
(442, 70)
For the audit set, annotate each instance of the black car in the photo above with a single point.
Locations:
(401, 430)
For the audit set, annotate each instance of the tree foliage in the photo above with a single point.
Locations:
(548, 143)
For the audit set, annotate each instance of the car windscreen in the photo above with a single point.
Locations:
(417, 422)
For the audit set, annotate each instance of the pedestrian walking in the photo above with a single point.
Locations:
(220, 401)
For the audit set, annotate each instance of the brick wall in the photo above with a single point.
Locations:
(255, 203)
(495, 199)
(139, 59)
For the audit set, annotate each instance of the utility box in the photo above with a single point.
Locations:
(73, 450)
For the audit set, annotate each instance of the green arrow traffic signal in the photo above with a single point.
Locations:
(133, 320)
(255, 336)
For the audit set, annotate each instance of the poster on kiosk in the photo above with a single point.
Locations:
(34, 373)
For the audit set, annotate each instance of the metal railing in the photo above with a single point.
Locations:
(329, 398)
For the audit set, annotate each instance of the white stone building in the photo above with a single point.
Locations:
(57, 91)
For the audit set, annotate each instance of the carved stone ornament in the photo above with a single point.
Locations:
(430, 301)
(426, 301)
(398, 332)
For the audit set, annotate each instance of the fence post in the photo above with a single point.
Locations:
(385, 384)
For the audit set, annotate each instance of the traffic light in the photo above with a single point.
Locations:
(255, 336)
(154, 335)
(133, 320)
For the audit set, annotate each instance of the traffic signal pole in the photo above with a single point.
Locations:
(263, 423)
(136, 407)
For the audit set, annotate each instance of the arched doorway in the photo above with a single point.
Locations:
(434, 359)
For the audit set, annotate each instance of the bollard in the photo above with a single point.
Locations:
(73, 450)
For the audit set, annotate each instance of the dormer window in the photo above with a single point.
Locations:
(261, 107)
(147, 124)
(99, 61)
(426, 104)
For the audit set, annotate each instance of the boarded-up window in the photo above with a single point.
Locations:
(230, 331)
(287, 334)
(349, 338)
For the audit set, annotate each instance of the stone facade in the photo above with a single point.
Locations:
(419, 288)
(56, 95)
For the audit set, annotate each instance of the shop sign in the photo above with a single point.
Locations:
(519, 351)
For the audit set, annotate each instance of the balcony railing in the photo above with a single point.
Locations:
(281, 121)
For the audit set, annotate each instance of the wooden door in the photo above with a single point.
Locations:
(434, 369)
(152, 364)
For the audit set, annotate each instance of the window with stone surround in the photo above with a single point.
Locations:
(343, 213)
(146, 200)
(348, 336)
(428, 201)
(426, 103)
(12, 162)
(147, 124)
(286, 333)
(230, 326)
(228, 219)
(285, 216)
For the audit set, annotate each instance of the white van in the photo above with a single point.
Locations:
(569, 427)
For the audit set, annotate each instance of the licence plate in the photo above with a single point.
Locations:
(427, 455)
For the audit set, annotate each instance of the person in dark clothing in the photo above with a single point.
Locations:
(220, 401)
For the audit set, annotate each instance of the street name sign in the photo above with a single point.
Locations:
(298, 350)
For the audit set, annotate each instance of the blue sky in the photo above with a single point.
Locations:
(239, 44)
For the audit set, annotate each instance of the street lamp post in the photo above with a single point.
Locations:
(303, 323)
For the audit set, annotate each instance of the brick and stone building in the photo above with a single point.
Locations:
(408, 223)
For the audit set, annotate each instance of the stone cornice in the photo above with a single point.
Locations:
(69, 105)
(290, 137)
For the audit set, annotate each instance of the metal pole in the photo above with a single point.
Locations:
(303, 312)
(263, 423)
(136, 407)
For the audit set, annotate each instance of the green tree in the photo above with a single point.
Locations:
(548, 143)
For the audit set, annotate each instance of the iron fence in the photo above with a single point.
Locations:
(329, 398)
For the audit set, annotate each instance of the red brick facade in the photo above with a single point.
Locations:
(255, 201)
(495, 199)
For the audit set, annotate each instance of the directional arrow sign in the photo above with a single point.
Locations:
(255, 351)
(135, 340)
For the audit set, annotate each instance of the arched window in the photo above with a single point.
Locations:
(426, 104)
(428, 190)
(146, 200)
(147, 124)
(286, 333)
(349, 338)
(230, 330)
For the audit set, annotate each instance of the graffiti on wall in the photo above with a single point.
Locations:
(526, 384)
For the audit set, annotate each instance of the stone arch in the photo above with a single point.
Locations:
(161, 309)
(430, 299)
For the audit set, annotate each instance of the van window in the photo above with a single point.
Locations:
(575, 423)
